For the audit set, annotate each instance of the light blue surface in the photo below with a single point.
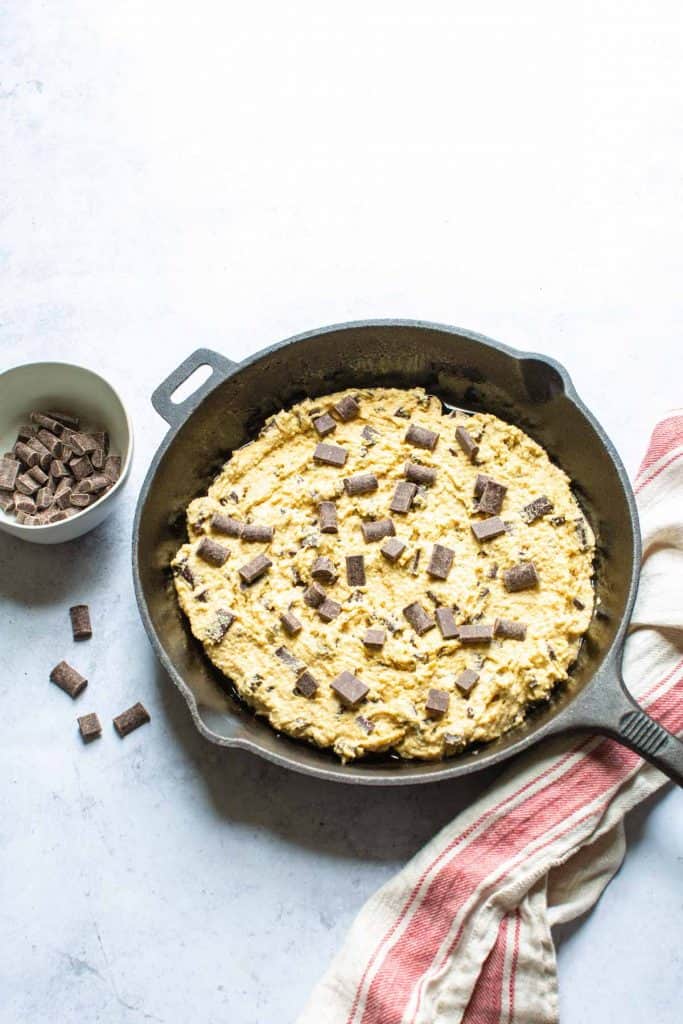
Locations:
(219, 176)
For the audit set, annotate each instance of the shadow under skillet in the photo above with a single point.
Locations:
(384, 823)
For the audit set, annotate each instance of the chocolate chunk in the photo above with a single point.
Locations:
(324, 424)
(81, 627)
(401, 413)
(58, 470)
(327, 517)
(509, 629)
(102, 440)
(52, 443)
(440, 562)
(323, 570)
(403, 496)
(350, 690)
(421, 437)
(369, 434)
(28, 456)
(470, 448)
(347, 408)
(9, 471)
(37, 446)
(44, 498)
(257, 533)
(25, 484)
(26, 432)
(253, 570)
(480, 483)
(68, 679)
(62, 496)
(446, 623)
(375, 637)
(314, 595)
(365, 724)
(58, 515)
(80, 500)
(487, 529)
(65, 418)
(81, 467)
(520, 577)
(373, 531)
(418, 618)
(491, 500)
(97, 458)
(329, 609)
(22, 503)
(89, 727)
(355, 570)
(289, 659)
(416, 561)
(330, 455)
(130, 720)
(82, 443)
(7, 501)
(97, 482)
(46, 422)
(210, 550)
(392, 549)
(290, 623)
(226, 524)
(306, 684)
(578, 604)
(362, 483)
(418, 474)
(477, 633)
(222, 622)
(536, 509)
(437, 703)
(466, 680)
(582, 533)
(37, 474)
(112, 467)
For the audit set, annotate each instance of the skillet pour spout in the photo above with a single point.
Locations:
(465, 370)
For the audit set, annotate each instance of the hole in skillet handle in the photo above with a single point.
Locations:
(191, 384)
(184, 388)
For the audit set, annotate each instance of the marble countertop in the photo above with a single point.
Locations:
(176, 177)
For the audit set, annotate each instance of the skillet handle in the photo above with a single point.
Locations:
(175, 412)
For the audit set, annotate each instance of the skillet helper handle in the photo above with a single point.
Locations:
(176, 412)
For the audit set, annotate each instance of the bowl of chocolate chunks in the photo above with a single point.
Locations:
(66, 444)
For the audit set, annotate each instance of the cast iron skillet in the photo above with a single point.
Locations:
(464, 370)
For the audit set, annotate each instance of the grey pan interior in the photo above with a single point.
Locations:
(466, 370)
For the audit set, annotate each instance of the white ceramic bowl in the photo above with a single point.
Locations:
(67, 388)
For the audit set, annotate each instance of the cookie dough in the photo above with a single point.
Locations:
(437, 638)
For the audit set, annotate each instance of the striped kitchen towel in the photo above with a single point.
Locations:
(462, 934)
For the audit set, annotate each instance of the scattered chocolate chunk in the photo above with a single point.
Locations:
(112, 467)
(350, 690)
(476, 633)
(369, 434)
(222, 622)
(480, 483)
(420, 437)
(375, 637)
(324, 425)
(419, 619)
(437, 703)
(257, 533)
(68, 679)
(89, 727)
(9, 471)
(418, 474)
(581, 533)
(362, 483)
(253, 570)
(446, 623)
(466, 680)
(46, 422)
(81, 467)
(347, 408)
(306, 684)
(81, 626)
(27, 455)
(520, 577)
(58, 470)
(440, 562)
(330, 455)
(130, 720)
(365, 724)
(355, 570)
(290, 623)
(487, 529)
(536, 509)
(226, 524)
(470, 448)
(25, 484)
(329, 609)
(287, 658)
(491, 500)
(509, 629)
(392, 549)
(578, 604)
(52, 443)
(22, 503)
(403, 496)
(416, 561)
(210, 550)
(327, 517)
(373, 531)
(65, 419)
(314, 595)
(323, 570)
(401, 413)
(37, 474)
(558, 520)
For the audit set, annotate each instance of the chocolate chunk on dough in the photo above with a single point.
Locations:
(466, 680)
(536, 509)
(418, 618)
(130, 720)
(290, 623)
(306, 684)
(440, 562)
(257, 533)
(355, 570)
(403, 496)
(362, 483)
(418, 474)
(375, 637)
(491, 500)
(226, 525)
(350, 690)
(222, 621)
(330, 455)
(323, 570)
(392, 549)
(347, 408)
(210, 551)
(437, 703)
(253, 570)
(509, 629)
(324, 425)
(488, 529)
(477, 633)
(89, 727)
(327, 517)
(480, 483)
(446, 623)
(314, 595)
(81, 627)
(377, 529)
(421, 437)
(329, 609)
(68, 679)
(520, 577)
(468, 445)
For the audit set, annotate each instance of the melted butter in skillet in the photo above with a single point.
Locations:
(275, 481)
